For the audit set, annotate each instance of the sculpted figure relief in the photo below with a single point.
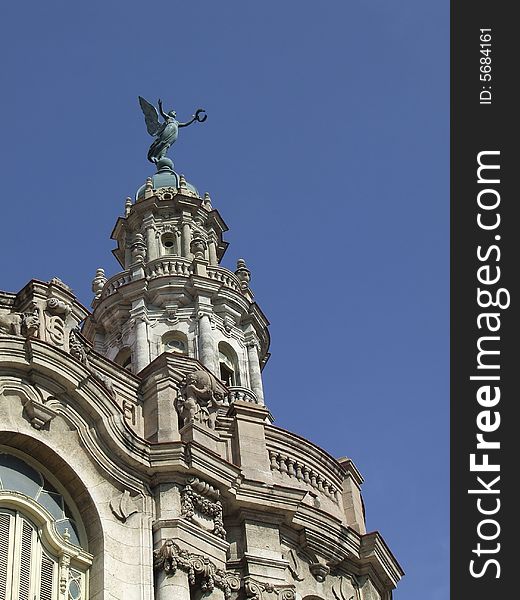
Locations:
(11, 323)
(165, 133)
(198, 400)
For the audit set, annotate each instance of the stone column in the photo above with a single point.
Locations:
(141, 356)
(186, 240)
(212, 248)
(207, 351)
(255, 374)
(151, 243)
(172, 587)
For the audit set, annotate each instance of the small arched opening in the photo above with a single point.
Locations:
(228, 363)
(124, 358)
(175, 341)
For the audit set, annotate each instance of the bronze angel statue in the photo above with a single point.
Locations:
(165, 133)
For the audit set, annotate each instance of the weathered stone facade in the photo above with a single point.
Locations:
(145, 421)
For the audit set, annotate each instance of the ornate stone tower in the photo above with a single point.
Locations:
(138, 458)
(173, 295)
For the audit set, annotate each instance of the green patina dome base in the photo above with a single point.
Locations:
(165, 177)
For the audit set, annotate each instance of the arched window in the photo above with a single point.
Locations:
(175, 341)
(124, 358)
(168, 242)
(228, 365)
(42, 544)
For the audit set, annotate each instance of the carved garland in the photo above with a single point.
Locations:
(201, 571)
(195, 497)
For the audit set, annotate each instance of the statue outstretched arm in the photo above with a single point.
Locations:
(163, 114)
(196, 117)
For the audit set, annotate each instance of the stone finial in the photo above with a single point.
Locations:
(207, 201)
(138, 248)
(148, 187)
(198, 246)
(128, 206)
(182, 181)
(243, 273)
(98, 283)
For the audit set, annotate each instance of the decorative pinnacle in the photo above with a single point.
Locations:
(243, 273)
(182, 181)
(138, 248)
(198, 246)
(128, 206)
(207, 201)
(98, 283)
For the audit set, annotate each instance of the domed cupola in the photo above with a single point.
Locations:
(166, 177)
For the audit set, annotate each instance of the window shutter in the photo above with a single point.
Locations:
(24, 589)
(5, 529)
(46, 578)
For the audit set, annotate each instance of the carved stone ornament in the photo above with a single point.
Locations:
(202, 573)
(346, 588)
(294, 565)
(256, 590)
(98, 283)
(243, 273)
(11, 323)
(198, 246)
(319, 571)
(200, 503)
(77, 349)
(56, 329)
(58, 307)
(123, 506)
(31, 323)
(39, 414)
(80, 351)
(138, 249)
(198, 400)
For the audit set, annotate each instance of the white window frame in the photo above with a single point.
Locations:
(45, 540)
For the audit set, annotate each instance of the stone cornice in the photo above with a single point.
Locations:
(374, 549)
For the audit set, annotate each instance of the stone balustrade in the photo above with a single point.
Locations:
(299, 470)
(298, 459)
(241, 393)
(115, 282)
(168, 266)
(225, 277)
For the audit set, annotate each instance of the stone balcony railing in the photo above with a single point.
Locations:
(296, 458)
(111, 286)
(168, 267)
(237, 392)
(225, 277)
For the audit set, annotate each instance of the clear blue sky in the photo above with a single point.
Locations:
(326, 152)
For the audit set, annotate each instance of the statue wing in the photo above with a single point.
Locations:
(151, 116)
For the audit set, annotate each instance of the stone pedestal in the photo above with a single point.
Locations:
(200, 434)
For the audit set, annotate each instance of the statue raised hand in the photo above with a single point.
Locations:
(165, 133)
